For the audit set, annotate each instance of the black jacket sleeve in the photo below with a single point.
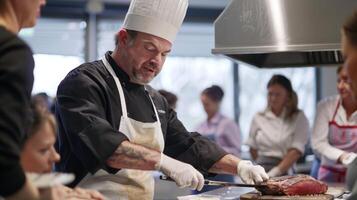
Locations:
(16, 79)
(189, 147)
(80, 109)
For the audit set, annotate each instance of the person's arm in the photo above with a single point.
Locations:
(191, 148)
(245, 169)
(289, 159)
(83, 121)
(226, 165)
(319, 137)
(253, 153)
(133, 156)
(297, 147)
(16, 65)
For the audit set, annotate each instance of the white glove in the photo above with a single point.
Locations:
(250, 173)
(182, 173)
(274, 172)
(349, 158)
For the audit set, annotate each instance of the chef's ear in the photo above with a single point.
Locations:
(122, 38)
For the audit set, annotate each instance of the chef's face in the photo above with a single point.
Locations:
(210, 106)
(343, 85)
(145, 55)
(27, 11)
(350, 54)
(38, 154)
(277, 97)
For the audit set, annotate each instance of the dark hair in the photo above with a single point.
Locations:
(292, 103)
(214, 92)
(41, 100)
(132, 35)
(350, 28)
(170, 97)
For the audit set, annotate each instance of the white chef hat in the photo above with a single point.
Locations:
(161, 18)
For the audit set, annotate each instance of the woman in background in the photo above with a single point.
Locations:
(278, 135)
(219, 128)
(334, 128)
(39, 154)
(349, 50)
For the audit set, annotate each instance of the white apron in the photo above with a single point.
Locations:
(128, 184)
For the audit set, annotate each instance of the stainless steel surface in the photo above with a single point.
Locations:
(221, 183)
(282, 33)
(224, 193)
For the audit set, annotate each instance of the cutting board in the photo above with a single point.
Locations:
(257, 196)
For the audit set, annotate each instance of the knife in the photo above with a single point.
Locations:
(221, 183)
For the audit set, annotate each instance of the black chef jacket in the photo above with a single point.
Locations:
(88, 110)
(16, 80)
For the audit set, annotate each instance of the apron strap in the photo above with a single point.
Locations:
(121, 93)
(119, 87)
(340, 173)
(334, 114)
(153, 105)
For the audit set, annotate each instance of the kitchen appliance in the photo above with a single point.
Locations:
(282, 33)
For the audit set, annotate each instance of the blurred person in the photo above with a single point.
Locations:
(334, 128)
(278, 135)
(42, 101)
(16, 81)
(170, 97)
(349, 51)
(219, 128)
(114, 129)
(39, 155)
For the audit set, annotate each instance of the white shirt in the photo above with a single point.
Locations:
(324, 114)
(273, 135)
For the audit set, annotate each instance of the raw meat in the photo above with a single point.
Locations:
(293, 185)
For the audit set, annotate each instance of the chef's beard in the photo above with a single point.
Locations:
(139, 79)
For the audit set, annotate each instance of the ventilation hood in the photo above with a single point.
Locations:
(282, 33)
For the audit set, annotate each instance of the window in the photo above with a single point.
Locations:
(58, 45)
(187, 77)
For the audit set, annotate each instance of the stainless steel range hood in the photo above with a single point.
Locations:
(282, 33)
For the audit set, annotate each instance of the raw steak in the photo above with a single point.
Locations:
(293, 185)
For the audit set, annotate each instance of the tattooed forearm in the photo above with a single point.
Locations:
(226, 165)
(133, 156)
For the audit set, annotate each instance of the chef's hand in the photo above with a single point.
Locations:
(274, 172)
(250, 173)
(182, 173)
(347, 158)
